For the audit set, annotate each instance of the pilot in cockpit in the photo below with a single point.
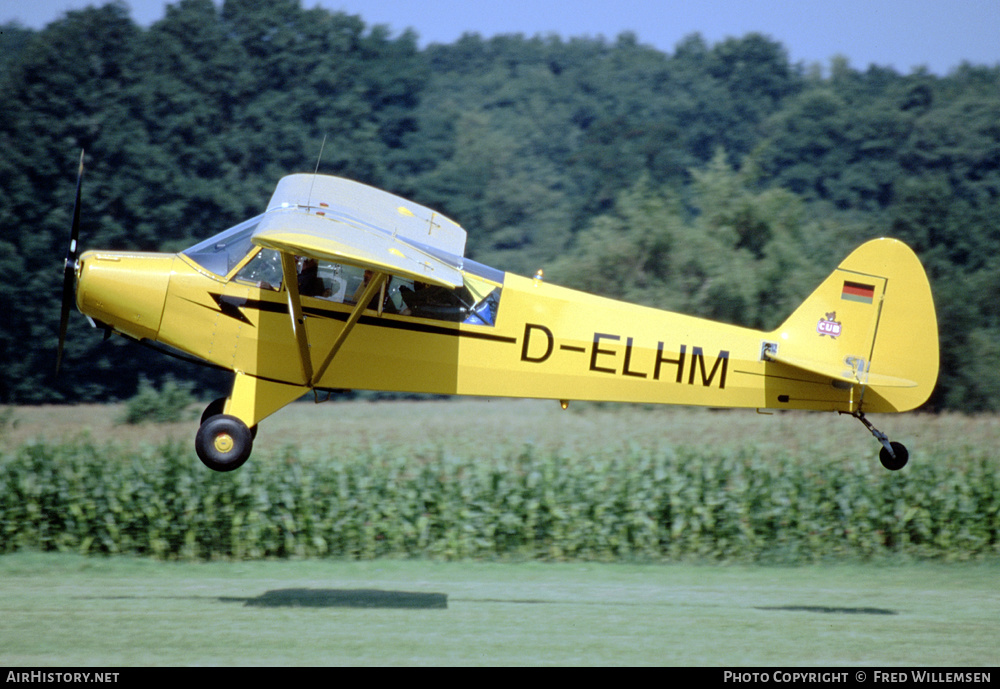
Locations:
(310, 283)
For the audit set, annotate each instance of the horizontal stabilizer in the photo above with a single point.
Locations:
(844, 372)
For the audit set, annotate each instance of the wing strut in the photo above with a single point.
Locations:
(291, 278)
(374, 286)
(290, 275)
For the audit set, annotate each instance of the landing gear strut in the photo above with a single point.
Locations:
(893, 455)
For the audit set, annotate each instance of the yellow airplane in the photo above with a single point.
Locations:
(338, 285)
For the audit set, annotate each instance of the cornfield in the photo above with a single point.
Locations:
(664, 503)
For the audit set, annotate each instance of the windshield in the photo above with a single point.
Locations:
(221, 253)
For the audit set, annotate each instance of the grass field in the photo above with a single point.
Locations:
(71, 610)
(496, 425)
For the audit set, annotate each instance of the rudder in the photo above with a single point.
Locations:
(870, 325)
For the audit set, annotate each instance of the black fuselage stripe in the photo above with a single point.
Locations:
(428, 328)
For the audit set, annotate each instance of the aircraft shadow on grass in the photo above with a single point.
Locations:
(376, 598)
(830, 609)
(345, 598)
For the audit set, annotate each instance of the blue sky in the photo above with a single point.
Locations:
(903, 34)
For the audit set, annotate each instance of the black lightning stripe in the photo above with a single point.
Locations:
(231, 306)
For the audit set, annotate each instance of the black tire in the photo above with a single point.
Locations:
(223, 443)
(214, 409)
(218, 407)
(894, 463)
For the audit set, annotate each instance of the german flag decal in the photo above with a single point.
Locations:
(856, 291)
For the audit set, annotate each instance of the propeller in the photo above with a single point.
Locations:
(69, 267)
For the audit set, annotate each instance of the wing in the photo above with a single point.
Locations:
(346, 222)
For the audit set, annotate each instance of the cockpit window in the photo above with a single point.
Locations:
(263, 270)
(221, 253)
(475, 302)
(443, 304)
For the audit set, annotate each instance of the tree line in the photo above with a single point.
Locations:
(722, 180)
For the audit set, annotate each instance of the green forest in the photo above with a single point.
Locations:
(720, 180)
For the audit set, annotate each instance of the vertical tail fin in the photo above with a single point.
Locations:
(870, 325)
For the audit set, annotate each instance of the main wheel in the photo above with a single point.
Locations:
(218, 407)
(215, 408)
(894, 463)
(223, 442)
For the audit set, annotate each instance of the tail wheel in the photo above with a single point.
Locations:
(223, 442)
(893, 456)
(894, 463)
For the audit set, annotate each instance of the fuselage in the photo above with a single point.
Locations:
(538, 341)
